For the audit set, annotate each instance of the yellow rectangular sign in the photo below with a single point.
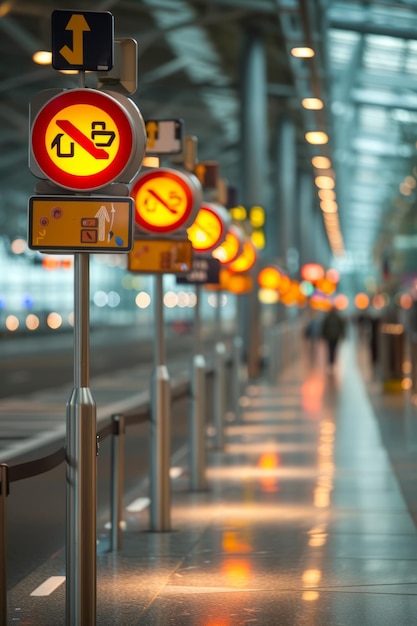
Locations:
(168, 256)
(81, 224)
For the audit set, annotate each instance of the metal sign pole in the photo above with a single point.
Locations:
(236, 382)
(219, 379)
(4, 492)
(160, 424)
(198, 406)
(81, 452)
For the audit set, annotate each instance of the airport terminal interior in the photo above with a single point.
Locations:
(208, 312)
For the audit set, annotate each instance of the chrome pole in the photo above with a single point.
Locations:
(197, 438)
(117, 466)
(236, 379)
(160, 513)
(81, 452)
(219, 380)
(4, 492)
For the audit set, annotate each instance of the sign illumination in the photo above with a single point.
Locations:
(209, 228)
(165, 200)
(84, 139)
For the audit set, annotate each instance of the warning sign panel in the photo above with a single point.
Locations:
(74, 223)
(161, 256)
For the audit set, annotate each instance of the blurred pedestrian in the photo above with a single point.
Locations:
(312, 334)
(332, 331)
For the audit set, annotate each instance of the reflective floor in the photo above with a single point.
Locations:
(304, 522)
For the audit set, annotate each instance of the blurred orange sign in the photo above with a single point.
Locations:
(168, 256)
(209, 228)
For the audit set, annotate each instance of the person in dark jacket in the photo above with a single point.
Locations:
(332, 331)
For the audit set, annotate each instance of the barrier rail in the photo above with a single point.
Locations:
(116, 428)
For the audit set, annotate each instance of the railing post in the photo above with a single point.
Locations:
(197, 429)
(4, 492)
(236, 379)
(117, 475)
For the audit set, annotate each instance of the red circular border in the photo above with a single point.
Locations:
(222, 224)
(72, 181)
(162, 174)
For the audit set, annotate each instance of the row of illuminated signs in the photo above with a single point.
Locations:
(83, 140)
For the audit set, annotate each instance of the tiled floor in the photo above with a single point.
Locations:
(304, 524)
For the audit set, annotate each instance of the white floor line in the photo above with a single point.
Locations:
(49, 586)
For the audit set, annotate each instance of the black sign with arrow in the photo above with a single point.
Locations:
(82, 40)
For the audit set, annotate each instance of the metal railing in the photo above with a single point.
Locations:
(283, 343)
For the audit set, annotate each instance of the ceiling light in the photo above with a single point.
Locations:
(42, 57)
(302, 52)
(316, 137)
(321, 162)
(324, 182)
(150, 161)
(328, 206)
(327, 194)
(405, 189)
(313, 104)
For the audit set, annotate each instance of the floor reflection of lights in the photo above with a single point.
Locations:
(257, 448)
(271, 415)
(261, 513)
(241, 472)
(275, 401)
(270, 429)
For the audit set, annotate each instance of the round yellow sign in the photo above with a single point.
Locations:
(82, 139)
(209, 228)
(165, 200)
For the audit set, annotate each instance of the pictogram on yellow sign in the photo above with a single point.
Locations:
(82, 139)
(165, 200)
(165, 256)
(81, 224)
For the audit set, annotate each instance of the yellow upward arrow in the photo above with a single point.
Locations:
(200, 172)
(78, 24)
(151, 130)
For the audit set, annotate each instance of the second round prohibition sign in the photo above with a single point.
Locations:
(82, 139)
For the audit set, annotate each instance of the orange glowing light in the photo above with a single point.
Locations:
(379, 301)
(361, 301)
(325, 285)
(341, 302)
(51, 263)
(406, 301)
(237, 572)
(320, 302)
(269, 277)
(238, 284)
(312, 272)
(285, 285)
(333, 275)
(234, 543)
(209, 228)
(246, 260)
(66, 264)
(312, 394)
(292, 295)
(231, 247)
(268, 461)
